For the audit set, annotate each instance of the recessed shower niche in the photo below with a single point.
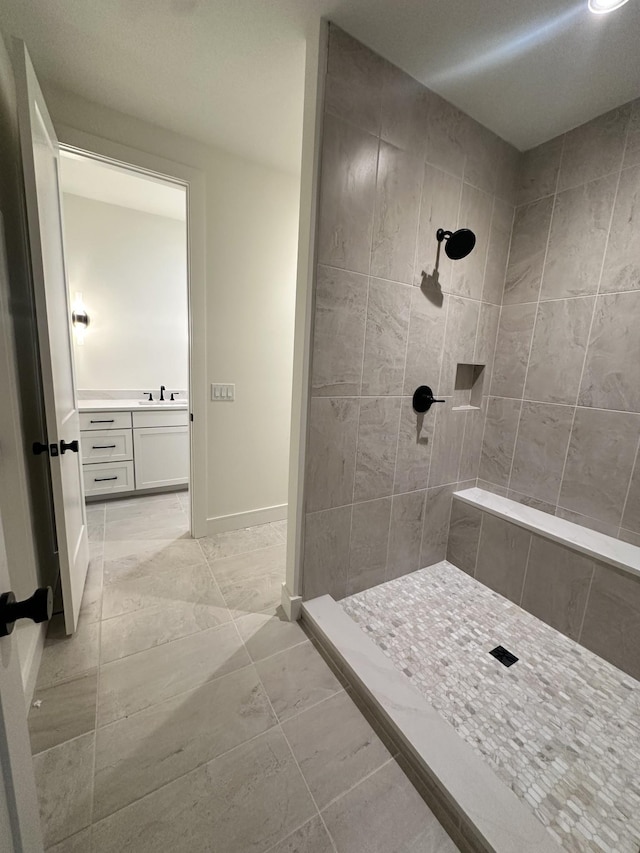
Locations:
(467, 392)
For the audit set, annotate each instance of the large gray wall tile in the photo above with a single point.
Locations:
(558, 349)
(338, 335)
(435, 530)
(594, 149)
(369, 543)
(464, 536)
(483, 149)
(541, 449)
(438, 209)
(404, 111)
(415, 440)
(557, 585)
(377, 446)
(347, 196)
(611, 377)
(385, 345)
(354, 81)
(502, 556)
(621, 269)
(632, 150)
(331, 452)
(499, 440)
(599, 463)
(425, 343)
(579, 230)
(396, 214)
(405, 533)
(528, 248)
(538, 173)
(612, 621)
(459, 340)
(445, 135)
(448, 438)
(498, 251)
(631, 518)
(515, 331)
(326, 553)
(467, 276)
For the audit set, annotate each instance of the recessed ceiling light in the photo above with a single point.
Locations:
(601, 7)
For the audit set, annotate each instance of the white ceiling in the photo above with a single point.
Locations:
(113, 184)
(230, 72)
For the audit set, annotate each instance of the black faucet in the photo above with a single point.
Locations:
(162, 390)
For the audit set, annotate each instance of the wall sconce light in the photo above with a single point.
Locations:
(80, 319)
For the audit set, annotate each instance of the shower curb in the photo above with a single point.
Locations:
(480, 813)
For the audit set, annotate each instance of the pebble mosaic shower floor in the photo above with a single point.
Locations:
(561, 727)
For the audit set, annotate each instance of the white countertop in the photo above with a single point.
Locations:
(131, 405)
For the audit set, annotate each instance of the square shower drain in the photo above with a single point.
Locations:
(503, 656)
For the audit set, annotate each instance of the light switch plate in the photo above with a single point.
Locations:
(223, 393)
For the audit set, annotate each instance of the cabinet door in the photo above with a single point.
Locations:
(161, 456)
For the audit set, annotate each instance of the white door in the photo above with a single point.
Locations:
(40, 157)
(19, 814)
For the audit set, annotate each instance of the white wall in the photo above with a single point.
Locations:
(251, 225)
(130, 267)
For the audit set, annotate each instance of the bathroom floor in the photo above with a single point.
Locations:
(561, 727)
(184, 715)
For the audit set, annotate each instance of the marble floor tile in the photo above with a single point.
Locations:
(265, 635)
(251, 583)
(395, 817)
(335, 747)
(140, 753)
(65, 657)
(153, 626)
(64, 784)
(189, 585)
(296, 679)
(147, 506)
(78, 843)
(132, 559)
(247, 800)
(63, 711)
(240, 541)
(168, 525)
(141, 680)
(310, 838)
(91, 606)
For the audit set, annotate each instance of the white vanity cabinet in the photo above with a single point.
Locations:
(128, 451)
(161, 449)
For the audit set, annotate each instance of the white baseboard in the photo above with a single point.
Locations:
(291, 604)
(223, 523)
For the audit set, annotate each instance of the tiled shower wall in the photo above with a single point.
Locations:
(563, 419)
(398, 162)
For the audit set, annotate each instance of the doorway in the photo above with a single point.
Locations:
(126, 253)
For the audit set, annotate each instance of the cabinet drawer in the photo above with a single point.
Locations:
(107, 445)
(105, 420)
(161, 419)
(102, 479)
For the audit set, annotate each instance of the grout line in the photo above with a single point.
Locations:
(636, 463)
(295, 760)
(526, 570)
(475, 564)
(586, 604)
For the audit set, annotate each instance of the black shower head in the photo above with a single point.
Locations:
(459, 243)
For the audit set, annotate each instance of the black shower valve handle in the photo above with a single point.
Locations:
(423, 399)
